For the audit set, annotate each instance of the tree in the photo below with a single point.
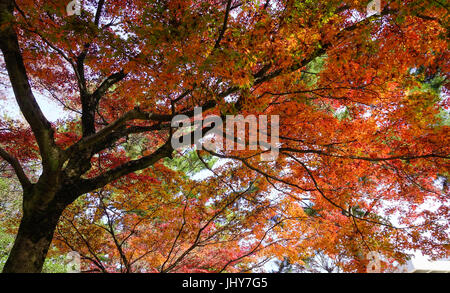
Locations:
(361, 139)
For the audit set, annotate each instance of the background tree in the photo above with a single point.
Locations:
(359, 142)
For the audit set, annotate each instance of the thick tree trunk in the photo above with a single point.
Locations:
(33, 238)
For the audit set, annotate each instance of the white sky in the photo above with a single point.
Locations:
(51, 109)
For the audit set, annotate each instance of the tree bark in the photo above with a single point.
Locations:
(34, 236)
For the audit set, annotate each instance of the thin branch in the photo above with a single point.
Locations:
(86, 185)
(108, 83)
(17, 168)
(99, 12)
(224, 26)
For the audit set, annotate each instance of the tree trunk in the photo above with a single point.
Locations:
(33, 238)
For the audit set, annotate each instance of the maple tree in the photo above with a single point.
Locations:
(363, 105)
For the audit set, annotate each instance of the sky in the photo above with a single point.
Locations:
(51, 109)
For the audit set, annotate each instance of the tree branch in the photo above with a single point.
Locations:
(101, 136)
(99, 12)
(108, 83)
(17, 168)
(86, 185)
(224, 26)
(15, 66)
